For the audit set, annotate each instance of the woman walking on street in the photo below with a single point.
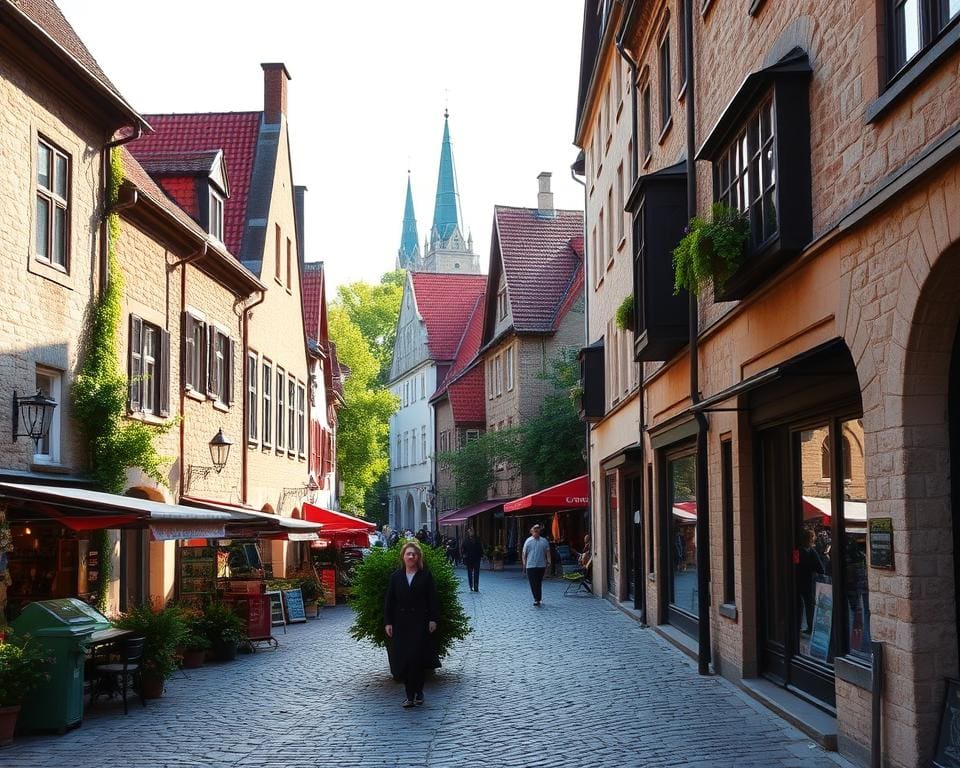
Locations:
(410, 615)
(472, 555)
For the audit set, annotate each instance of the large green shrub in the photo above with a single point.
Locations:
(22, 668)
(370, 583)
(164, 630)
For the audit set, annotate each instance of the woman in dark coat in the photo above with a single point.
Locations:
(472, 555)
(410, 615)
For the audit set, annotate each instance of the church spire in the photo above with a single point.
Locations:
(446, 212)
(409, 253)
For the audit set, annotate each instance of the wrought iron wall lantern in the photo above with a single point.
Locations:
(220, 450)
(34, 414)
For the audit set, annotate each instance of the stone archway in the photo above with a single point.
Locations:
(409, 513)
(424, 519)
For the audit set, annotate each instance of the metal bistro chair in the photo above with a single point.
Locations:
(578, 581)
(111, 678)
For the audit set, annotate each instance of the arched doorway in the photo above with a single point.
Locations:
(424, 516)
(409, 513)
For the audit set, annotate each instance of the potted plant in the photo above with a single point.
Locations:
(195, 643)
(370, 590)
(22, 668)
(164, 630)
(624, 314)
(224, 630)
(710, 251)
(495, 556)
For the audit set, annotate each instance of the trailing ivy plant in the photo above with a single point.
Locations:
(100, 388)
(624, 315)
(100, 542)
(710, 251)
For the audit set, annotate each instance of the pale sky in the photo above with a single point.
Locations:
(370, 83)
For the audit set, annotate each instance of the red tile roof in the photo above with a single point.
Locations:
(134, 173)
(461, 392)
(446, 302)
(467, 398)
(542, 263)
(233, 132)
(312, 298)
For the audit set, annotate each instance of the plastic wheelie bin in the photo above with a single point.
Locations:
(62, 629)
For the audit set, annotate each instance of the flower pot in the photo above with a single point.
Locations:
(225, 650)
(311, 609)
(8, 722)
(193, 658)
(151, 686)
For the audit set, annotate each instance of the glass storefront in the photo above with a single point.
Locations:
(681, 543)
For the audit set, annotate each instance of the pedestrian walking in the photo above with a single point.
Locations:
(472, 555)
(536, 559)
(410, 615)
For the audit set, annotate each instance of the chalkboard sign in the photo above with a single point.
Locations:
(822, 622)
(948, 745)
(293, 601)
(881, 543)
(277, 617)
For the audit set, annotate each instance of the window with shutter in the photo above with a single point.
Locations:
(163, 374)
(135, 364)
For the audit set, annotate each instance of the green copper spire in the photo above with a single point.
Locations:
(409, 252)
(446, 212)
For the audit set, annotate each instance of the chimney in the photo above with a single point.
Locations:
(545, 197)
(275, 77)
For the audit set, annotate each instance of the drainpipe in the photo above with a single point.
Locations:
(639, 590)
(702, 481)
(244, 387)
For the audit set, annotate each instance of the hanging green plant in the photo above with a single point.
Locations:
(710, 251)
(100, 542)
(100, 388)
(624, 315)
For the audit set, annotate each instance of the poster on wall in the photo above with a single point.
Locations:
(822, 622)
(881, 543)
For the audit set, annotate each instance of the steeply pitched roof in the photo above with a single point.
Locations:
(445, 302)
(542, 263)
(313, 290)
(50, 20)
(409, 246)
(463, 384)
(446, 209)
(233, 132)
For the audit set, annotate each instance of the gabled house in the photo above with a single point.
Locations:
(533, 310)
(326, 389)
(260, 227)
(434, 311)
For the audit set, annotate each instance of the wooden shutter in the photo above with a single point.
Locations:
(229, 371)
(211, 365)
(135, 364)
(186, 359)
(164, 369)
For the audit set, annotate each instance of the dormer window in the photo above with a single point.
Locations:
(216, 215)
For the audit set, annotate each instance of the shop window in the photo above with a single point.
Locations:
(148, 366)
(53, 205)
(612, 519)
(751, 174)
(681, 541)
(49, 384)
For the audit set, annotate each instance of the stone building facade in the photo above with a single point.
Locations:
(823, 400)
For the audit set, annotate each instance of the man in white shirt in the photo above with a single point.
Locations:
(536, 559)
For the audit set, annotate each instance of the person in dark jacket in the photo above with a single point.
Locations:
(411, 612)
(809, 568)
(472, 555)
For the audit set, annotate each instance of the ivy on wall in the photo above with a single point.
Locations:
(100, 392)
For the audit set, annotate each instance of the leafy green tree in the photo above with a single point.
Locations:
(374, 310)
(363, 424)
(473, 466)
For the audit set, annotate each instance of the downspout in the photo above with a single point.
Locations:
(702, 481)
(183, 308)
(244, 387)
(639, 585)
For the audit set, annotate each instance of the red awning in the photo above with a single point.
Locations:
(571, 494)
(457, 516)
(335, 522)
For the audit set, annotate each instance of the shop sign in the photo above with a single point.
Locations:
(308, 536)
(881, 543)
(187, 530)
(822, 622)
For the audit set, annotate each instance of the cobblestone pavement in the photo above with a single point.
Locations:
(574, 682)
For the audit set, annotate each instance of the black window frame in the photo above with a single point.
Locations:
(666, 85)
(934, 20)
(786, 83)
(646, 127)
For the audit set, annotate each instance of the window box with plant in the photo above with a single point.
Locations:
(710, 251)
(760, 150)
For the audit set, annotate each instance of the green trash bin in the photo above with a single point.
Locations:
(62, 629)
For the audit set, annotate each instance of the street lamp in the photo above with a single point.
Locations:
(220, 450)
(35, 414)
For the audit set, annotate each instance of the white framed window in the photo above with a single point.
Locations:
(194, 359)
(502, 302)
(498, 375)
(215, 214)
(267, 396)
(509, 355)
(276, 254)
(253, 397)
(289, 264)
(423, 387)
(49, 384)
(53, 205)
(301, 420)
(281, 407)
(291, 415)
(397, 456)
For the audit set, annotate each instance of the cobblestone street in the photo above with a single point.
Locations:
(574, 682)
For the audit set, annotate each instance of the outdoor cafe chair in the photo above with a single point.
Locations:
(114, 677)
(578, 581)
